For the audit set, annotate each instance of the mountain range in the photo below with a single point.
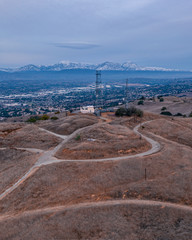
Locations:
(106, 66)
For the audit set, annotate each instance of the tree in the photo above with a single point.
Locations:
(132, 111)
(120, 112)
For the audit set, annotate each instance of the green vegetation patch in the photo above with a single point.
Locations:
(54, 118)
(33, 119)
(44, 117)
(78, 138)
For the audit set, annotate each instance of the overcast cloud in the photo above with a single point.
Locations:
(148, 32)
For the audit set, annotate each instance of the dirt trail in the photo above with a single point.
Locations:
(47, 157)
(99, 204)
(55, 134)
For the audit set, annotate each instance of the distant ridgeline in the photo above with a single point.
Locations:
(106, 66)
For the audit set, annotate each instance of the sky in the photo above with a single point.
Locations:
(146, 32)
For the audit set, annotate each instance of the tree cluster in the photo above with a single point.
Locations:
(132, 111)
(33, 119)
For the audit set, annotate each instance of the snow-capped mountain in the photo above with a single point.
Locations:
(109, 66)
(106, 66)
(129, 66)
(29, 67)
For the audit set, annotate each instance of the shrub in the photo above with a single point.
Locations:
(139, 113)
(54, 118)
(44, 117)
(163, 108)
(161, 99)
(178, 115)
(190, 115)
(57, 112)
(166, 113)
(78, 137)
(33, 119)
(140, 102)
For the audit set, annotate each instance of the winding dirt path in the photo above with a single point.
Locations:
(47, 157)
(132, 202)
(55, 134)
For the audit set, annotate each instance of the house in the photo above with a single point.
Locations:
(87, 109)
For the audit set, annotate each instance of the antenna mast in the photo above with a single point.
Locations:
(98, 90)
(126, 94)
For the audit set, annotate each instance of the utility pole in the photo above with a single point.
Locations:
(145, 174)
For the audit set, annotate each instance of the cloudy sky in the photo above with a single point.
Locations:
(147, 32)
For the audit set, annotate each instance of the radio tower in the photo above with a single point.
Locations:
(126, 94)
(98, 90)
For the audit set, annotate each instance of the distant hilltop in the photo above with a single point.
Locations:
(106, 66)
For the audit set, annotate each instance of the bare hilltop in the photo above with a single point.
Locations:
(87, 177)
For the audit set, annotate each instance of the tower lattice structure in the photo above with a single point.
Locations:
(98, 90)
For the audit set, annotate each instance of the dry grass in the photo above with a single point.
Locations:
(118, 221)
(26, 136)
(178, 130)
(68, 125)
(7, 128)
(173, 104)
(13, 165)
(168, 179)
(101, 141)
